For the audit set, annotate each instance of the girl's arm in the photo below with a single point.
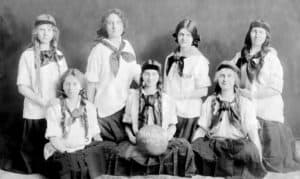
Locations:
(91, 91)
(130, 135)
(171, 131)
(58, 144)
(253, 135)
(200, 132)
(28, 93)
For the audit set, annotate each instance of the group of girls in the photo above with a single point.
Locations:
(97, 125)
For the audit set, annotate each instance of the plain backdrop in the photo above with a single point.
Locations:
(222, 25)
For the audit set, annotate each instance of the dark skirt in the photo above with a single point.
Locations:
(278, 144)
(227, 158)
(186, 127)
(112, 128)
(178, 160)
(32, 146)
(83, 164)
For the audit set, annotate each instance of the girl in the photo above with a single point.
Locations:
(262, 81)
(227, 141)
(40, 68)
(145, 107)
(71, 126)
(186, 78)
(111, 69)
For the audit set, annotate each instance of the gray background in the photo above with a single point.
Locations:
(222, 25)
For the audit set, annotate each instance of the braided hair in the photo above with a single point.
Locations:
(81, 111)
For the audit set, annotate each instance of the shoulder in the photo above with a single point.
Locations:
(170, 55)
(236, 57)
(245, 102)
(272, 53)
(210, 98)
(29, 52)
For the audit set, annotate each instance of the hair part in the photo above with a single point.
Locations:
(191, 27)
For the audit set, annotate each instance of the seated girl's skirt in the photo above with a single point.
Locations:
(278, 144)
(178, 160)
(89, 162)
(227, 157)
(112, 127)
(186, 127)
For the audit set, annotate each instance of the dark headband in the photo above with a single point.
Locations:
(150, 67)
(260, 24)
(41, 22)
(230, 66)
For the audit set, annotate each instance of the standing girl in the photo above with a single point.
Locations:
(186, 78)
(262, 81)
(110, 71)
(40, 68)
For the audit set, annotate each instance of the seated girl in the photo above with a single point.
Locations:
(227, 141)
(71, 127)
(150, 123)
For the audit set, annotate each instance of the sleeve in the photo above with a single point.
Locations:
(206, 114)
(23, 77)
(129, 47)
(94, 65)
(201, 74)
(52, 117)
(249, 120)
(171, 115)
(274, 72)
(136, 71)
(64, 66)
(127, 117)
(94, 126)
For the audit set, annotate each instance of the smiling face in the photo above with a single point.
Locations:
(258, 36)
(114, 26)
(226, 79)
(45, 33)
(150, 78)
(184, 38)
(71, 86)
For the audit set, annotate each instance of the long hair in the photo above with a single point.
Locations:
(35, 44)
(191, 27)
(102, 32)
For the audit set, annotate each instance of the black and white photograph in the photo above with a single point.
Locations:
(142, 89)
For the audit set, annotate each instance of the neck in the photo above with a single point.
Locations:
(150, 90)
(185, 50)
(73, 101)
(115, 40)
(44, 46)
(227, 94)
(255, 48)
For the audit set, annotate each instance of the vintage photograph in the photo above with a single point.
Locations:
(109, 89)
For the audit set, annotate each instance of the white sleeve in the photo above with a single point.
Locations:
(93, 121)
(53, 126)
(201, 71)
(94, 65)
(206, 114)
(23, 77)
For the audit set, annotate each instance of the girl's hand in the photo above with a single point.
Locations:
(98, 137)
(132, 139)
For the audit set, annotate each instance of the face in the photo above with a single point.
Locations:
(71, 86)
(258, 36)
(150, 78)
(184, 38)
(114, 26)
(45, 33)
(226, 79)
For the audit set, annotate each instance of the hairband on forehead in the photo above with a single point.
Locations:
(228, 64)
(41, 22)
(151, 65)
(260, 23)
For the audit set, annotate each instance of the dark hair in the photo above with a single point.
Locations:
(78, 75)
(262, 24)
(101, 32)
(191, 27)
